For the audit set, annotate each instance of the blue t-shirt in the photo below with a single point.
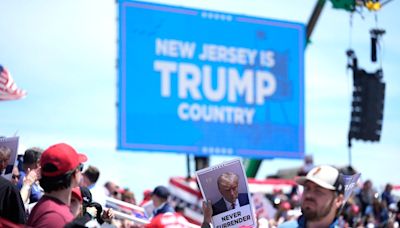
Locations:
(36, 193)
(301, 223)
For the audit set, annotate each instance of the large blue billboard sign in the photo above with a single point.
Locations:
(209, 83)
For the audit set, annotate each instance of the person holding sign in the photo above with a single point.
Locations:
(225, 191)
(322, 198)
(228, 184)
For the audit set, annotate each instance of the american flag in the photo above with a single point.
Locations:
(8, 88)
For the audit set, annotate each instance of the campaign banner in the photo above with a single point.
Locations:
(209, 83)
(263, 206)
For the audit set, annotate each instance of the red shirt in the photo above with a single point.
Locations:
(49, 212)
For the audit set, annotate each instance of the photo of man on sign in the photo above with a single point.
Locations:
(8, 155)
(225, 191)
(228, 184)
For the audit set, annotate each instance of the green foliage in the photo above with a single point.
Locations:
(348, 5)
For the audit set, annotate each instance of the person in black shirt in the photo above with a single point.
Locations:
(11, 205)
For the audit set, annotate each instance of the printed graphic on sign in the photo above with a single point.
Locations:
(225, 185)
(202, 82)
(9, 150)
(350, 183)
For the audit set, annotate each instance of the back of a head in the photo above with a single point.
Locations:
(128, 196)
(388, 187)
(367, 185)
(50, 184)
(161, 192)
(32, 155)
(58, 163)
(92, 173)
(308, 159)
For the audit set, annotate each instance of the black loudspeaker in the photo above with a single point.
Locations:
(375, 37)
(367, 106)
(373, 48)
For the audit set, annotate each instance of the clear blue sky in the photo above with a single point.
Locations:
(64, 54)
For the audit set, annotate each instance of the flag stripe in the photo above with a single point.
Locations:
(8, 88)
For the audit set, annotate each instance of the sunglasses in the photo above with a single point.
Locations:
(80, 167)
(15, 176)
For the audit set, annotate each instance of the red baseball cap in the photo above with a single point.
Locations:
(61, 158)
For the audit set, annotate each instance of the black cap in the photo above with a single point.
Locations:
(161, 192)
(86, 196)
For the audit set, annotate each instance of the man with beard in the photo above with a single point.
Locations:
(322, 198)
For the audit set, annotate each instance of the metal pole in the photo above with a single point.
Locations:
(350, 157)
(188, 166)
(314, 17)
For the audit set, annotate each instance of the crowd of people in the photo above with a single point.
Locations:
(322, 198)
(322, 202)
(51, 188)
